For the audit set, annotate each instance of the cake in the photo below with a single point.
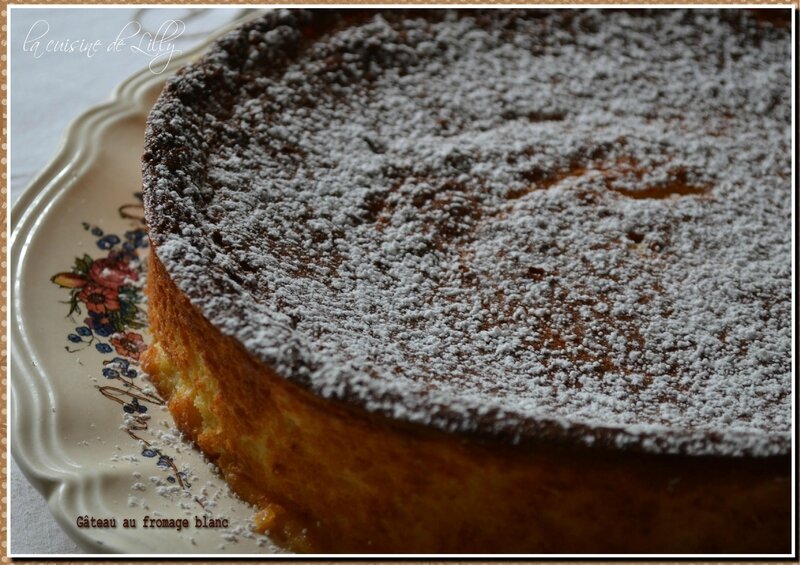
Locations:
(483, 281)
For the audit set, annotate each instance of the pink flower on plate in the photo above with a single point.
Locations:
(129, 344)
(112, 272)
(99, 299)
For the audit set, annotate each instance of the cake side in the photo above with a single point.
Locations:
(331, 477)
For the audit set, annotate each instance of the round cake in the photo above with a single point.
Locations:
(502, 281)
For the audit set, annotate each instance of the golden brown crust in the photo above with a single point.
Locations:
(335, 478)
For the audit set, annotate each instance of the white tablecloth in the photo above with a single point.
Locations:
(48, 90)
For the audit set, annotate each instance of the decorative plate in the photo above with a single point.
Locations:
(87, 428)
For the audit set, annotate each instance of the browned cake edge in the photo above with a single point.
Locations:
(330, 477)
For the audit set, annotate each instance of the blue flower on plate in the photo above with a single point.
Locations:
(107, 242)
(103, 348)
(134, 407)
(136, 238)
(100, 323)
(121, 362)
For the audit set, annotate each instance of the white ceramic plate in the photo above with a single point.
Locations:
(86, 428)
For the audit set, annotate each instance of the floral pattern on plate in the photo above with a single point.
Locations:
(105, 294)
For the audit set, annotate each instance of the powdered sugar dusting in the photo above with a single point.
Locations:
(523, 224)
